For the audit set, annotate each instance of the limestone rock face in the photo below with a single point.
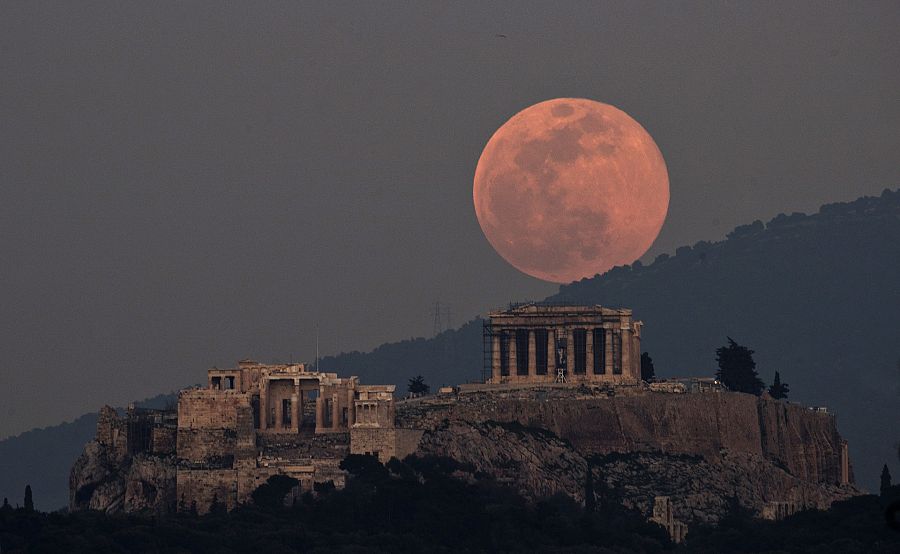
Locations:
(701, 450)
(107, 479)
(704, 451)
(537, 463)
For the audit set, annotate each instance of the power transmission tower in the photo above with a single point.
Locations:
(436, 313)
(447, 324)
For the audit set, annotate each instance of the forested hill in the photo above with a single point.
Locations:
(816, 296)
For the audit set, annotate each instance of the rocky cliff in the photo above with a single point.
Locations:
(130, 467)
(702, 450)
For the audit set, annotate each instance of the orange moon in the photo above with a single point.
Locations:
(569, 188)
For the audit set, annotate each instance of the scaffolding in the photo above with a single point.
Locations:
(487, 349)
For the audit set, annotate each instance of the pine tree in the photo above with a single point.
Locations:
(737, 370)
(417, 386)
(885, 479)
(6, 505)
(29, 500)
(648, 372)
(778, 389)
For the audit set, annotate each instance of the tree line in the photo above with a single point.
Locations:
(737, 371)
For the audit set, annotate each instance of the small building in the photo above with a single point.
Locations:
(544, 343)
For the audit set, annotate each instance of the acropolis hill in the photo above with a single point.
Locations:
(564, 398)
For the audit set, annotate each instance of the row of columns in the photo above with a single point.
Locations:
(623, 353)
(297, 409)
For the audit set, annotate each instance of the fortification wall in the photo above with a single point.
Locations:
(204, 408)
(386, 443)
(199, 488)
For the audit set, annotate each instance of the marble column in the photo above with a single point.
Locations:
(626, 351)
(263, 406)
(320, 410)
(295, 407)
(551, 353)
(279, 408)
(513, 365)
(351, 414)
(495, 359)
(335, 412)
(532, 356)
(589, 352)
(609, 351)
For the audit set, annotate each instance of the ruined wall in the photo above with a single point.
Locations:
(205, 408)
(198, 488)
(386, 443)
(150, 485)
(208, 428)
(106, 478)
(163, 440)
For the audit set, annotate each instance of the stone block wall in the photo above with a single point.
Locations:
(163, 441)
(204, 408)
(203, 486)
(206, 447)
(386, 443)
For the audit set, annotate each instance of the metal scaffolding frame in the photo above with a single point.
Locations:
(487, 349)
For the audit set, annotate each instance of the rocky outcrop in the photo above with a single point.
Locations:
(536, 462)
(701, 450)
(109, 478)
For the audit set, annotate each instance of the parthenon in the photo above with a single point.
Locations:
(541, 343)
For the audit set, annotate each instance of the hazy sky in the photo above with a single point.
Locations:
(187, 184)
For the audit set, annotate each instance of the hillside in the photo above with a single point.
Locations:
(815, 295)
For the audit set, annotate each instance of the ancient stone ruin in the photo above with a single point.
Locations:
(537, 343)
(225, 440)
(677, 454)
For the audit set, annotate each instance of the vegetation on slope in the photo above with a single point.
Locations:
(420, 506)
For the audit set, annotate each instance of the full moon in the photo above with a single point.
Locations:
(569, 188)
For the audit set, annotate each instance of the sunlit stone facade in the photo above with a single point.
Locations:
(536, 343)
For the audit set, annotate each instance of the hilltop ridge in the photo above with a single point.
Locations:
(814, 295)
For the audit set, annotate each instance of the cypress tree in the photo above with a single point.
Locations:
(885, 479)
(737, 370)
(778, 390)
(648, 372)
(29, 500)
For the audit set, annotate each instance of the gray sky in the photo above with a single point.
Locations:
(187, 184)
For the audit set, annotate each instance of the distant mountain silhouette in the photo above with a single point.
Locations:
(816, 296)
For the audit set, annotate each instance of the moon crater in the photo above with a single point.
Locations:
(569, 188)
